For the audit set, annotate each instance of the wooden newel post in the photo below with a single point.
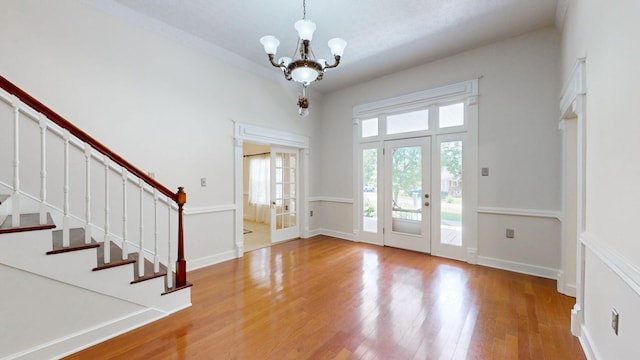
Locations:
(181, 263)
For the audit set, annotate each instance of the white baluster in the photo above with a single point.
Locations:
(87, 161)
(107, 243)
(156, 256)
(15, 197)
(65, 219)
(43, 169)
(125, 177)
(141, 240)
(169, 266)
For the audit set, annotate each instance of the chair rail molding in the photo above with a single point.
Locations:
(520, 212)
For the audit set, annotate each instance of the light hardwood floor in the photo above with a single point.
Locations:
(324, 298)
(258, 237)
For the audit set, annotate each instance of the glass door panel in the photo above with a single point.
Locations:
(370, 190)
(451, 193)
(407, 192)
(284, 212)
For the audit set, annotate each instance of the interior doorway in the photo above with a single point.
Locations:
(288, 160)
(256, 195)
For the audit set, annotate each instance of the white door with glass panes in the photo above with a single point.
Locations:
(284, 194)
(407, 194)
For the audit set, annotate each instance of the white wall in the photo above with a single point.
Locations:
(29, 298)
(165, 107)
(605, 33)
(519, 141)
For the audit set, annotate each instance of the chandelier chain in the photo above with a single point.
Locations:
(304, 9)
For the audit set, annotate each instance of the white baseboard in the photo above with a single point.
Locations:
(332, 233)
(528, 269)
(210, 260)
(75, 342)
(585, 342)
(314, 232)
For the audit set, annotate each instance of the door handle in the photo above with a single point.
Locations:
(426, 196)
(426, 203)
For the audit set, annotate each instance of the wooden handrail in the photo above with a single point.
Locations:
(83, 136)
(179, 197)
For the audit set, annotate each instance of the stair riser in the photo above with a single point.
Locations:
(24, 244)
(5, 210)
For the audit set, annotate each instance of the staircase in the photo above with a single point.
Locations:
(69, 249)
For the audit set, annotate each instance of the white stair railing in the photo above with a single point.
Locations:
(54, 129)
(15, 196)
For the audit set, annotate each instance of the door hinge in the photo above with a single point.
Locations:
(382, 231)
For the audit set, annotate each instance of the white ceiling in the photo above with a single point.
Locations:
(383, 36)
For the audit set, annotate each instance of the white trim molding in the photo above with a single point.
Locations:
(331, 199)
(209, 209)
(573, 106)
(620, 265)
(520, 212)
(575, 86)
(332, 233)
(418, 99)
(518, 267)
(263, 135)
(85, 338)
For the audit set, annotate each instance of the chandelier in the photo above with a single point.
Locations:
(305, 69)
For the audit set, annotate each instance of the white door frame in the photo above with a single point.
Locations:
(573, 107)
(466, 91)
(268, 136)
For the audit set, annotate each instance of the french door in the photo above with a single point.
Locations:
(407, 194)
(284, 194)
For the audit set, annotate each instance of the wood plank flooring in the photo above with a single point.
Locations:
(324, 298)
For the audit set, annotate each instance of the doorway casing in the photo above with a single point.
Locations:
(267, 136)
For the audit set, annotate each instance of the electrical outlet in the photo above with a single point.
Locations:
(511, 233)
(203, 181)
(311, 213)
(615, 317)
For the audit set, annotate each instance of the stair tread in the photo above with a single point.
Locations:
(148, 270)
(3, 198)
(132, 258)
(116, 257)
(76, 242)
(176, 288)
(28, 222)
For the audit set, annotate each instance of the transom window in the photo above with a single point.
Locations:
(408, 122)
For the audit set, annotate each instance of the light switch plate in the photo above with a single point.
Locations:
(203, 181)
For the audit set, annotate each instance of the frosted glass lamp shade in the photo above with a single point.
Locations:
(337, 46)
(270, 44)
(305, 29)
(304, 75)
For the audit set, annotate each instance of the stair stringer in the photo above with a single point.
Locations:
(27, 251)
